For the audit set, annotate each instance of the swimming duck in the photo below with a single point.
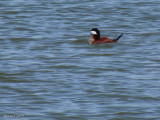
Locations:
(97, 39)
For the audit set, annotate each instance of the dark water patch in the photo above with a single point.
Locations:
(22, 39)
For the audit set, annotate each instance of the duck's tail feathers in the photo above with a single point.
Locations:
(115, 40)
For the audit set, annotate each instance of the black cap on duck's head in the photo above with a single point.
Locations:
(95, 31)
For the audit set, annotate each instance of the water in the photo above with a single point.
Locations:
(48, 70)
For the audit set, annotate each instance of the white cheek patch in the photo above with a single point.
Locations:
(93, 32)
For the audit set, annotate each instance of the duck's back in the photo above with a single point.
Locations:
(103, 40)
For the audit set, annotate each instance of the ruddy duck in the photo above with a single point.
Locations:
(97, 39)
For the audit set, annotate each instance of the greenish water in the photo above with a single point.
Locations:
(48, 71)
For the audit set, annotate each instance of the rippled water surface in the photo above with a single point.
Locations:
(48, 71)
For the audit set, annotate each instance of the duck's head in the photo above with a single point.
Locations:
(95, 31)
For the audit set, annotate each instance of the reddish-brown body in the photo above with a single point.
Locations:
(101, 40)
